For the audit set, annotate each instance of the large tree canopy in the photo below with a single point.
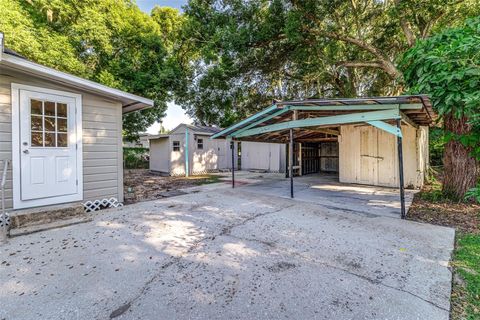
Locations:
(108, 41)
(447, 67)
(250, 52)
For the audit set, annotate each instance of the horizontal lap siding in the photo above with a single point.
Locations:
(102, 152)
(6, 135)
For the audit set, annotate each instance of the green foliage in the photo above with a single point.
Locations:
(473, 194)
(108, 41)
(437, 142)
(447, 67)
(136, 158)
(434, 193)
(246, 53)
(467, 265)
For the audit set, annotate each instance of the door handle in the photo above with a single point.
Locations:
(26, 151)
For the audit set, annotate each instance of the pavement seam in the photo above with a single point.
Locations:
(174, 260)
(372, 281)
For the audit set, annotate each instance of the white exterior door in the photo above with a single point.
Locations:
(49, 158)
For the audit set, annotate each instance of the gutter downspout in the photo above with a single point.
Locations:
(2, 46)
(187, 165)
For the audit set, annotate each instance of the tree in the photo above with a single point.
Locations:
(108, 41)
(250, 52)
(447, 67)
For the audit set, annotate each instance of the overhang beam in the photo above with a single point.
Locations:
(245, 121)
(408, 121)
(412, 106)
(262, 120)
(323, 121)
(386, 127)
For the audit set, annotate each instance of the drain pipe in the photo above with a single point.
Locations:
(4, 218)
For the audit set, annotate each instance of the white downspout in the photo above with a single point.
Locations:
(2, 46)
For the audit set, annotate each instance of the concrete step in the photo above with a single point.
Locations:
(48, 226)
(43, 215)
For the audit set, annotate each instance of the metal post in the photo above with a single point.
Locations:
(187, 165)
(290, 151)
(232, 146)
(400, 167)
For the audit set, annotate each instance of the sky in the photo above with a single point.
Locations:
(175, 114)
(147, 5)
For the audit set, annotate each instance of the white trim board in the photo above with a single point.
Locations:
(16, 167)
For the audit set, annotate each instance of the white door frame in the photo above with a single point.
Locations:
(18, 203)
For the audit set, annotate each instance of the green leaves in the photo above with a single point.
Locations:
(108, 41)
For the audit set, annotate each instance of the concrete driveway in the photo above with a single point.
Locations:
(218, 253)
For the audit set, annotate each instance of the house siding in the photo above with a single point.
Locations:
(160, 155)
(102, 137)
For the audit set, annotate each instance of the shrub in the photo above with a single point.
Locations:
(136, 158)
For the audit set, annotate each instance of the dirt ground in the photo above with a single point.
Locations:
(464, 217)
(142, 184)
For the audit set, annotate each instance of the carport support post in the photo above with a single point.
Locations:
(400, 167)
(290, 153)
(232, 146)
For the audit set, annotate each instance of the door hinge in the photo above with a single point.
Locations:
(76, 181)
(76, 146)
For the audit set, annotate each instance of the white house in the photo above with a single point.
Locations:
(142, 142)
(62, 134)
(188, 149)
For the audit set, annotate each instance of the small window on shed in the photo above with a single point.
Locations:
(200, 144)
(176, 145)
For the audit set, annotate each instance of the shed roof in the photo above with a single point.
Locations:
(314, 116)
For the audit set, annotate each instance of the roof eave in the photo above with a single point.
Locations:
(130, 102)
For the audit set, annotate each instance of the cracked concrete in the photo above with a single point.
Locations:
(247, 253)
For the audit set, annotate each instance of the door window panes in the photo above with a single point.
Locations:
(48, 124)
(61, 110)
(36, 107)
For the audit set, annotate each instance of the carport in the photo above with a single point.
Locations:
(350, 122)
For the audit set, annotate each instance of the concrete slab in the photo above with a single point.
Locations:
(219, 253)
(325, 189)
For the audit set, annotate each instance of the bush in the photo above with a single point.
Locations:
(473, 194)
(437, 146)
(136, 158)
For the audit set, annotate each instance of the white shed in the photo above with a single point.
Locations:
(188, 150)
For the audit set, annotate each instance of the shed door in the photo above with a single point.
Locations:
(48, 146)
(387, 158)
(368, 156)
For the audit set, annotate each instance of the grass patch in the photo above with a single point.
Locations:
(466, 289)
(431, 205)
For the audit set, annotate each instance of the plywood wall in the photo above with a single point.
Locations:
(263, 156)
(369, 156)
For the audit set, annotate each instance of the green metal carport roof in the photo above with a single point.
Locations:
(312, 118)
(324, 113)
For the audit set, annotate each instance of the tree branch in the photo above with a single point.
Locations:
(356, 64)
(385, 64)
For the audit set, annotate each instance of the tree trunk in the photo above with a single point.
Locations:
(461, 170)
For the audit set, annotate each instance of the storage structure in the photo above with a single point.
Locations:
(380, 141)
(188, 150)
(61, 134)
